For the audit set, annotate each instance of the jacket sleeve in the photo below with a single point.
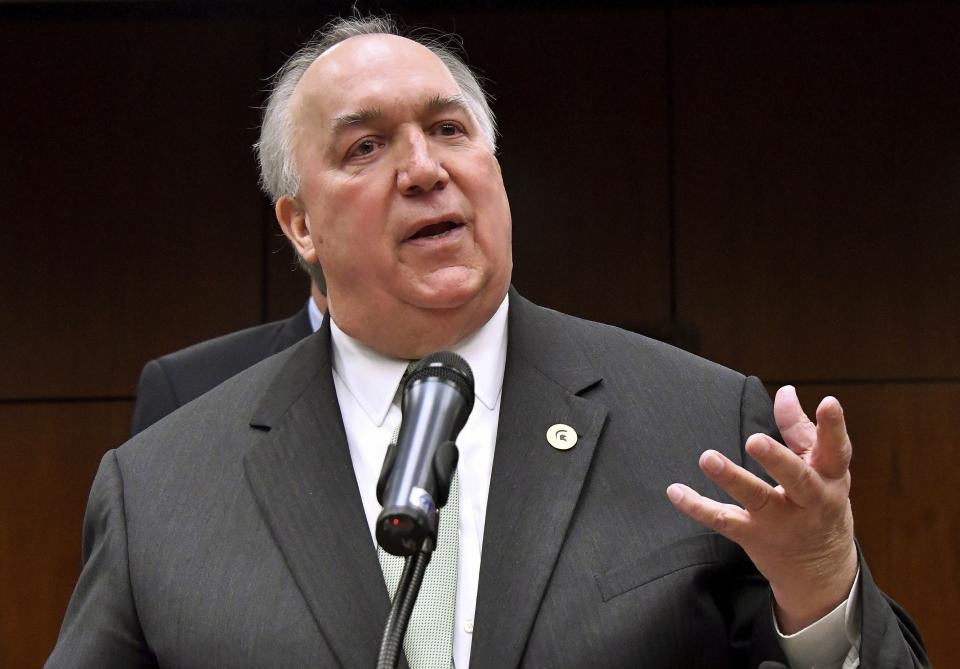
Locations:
(101, 629)
(155, 397)
(888, 637)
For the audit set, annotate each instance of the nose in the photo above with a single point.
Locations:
(419, 170)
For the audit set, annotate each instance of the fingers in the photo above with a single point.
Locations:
(751, 492)
(801, 483)
(727, 519)
(818, 453)
(832, 456)
(826, 441)
(799, 480)
(798, 431)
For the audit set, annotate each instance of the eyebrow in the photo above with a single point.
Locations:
(359, 117)
(365, 115)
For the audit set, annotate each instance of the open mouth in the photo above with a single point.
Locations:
(435, 230)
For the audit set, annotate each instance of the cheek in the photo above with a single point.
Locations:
(350, 236)
(335, 211)
(493, 197)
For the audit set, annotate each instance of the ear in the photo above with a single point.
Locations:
(293, 219)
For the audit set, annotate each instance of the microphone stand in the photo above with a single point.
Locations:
(403, 601)
(413, 569)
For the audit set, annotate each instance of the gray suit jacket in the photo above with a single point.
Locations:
(231, 533)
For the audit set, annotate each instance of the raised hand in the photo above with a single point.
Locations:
(799, 534)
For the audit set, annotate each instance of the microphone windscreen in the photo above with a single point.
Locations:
(445, 365)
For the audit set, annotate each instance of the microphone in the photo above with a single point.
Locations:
(436, 402)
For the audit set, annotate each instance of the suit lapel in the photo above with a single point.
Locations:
(300, 471)
(534, 488)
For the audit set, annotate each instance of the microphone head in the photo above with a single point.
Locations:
(445, 365)
(437, 398)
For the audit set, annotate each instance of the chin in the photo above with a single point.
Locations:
(455, 288)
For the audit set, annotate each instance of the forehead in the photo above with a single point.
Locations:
(369, 71)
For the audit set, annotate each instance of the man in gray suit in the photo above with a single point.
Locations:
(237, 531)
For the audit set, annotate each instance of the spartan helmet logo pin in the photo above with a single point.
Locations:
(562, 437)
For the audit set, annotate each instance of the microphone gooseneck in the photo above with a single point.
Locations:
(437, 397)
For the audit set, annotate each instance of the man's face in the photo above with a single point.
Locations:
(401, 195)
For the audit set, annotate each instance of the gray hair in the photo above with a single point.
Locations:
(279, 175)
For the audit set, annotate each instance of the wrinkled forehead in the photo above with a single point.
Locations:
(368, 71)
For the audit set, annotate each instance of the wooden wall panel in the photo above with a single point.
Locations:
(905, 506)
(287, 286)
(132, 218)
(583, 118)
(48, 456)
(818, 187)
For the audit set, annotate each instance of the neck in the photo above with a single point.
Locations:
(410, 333)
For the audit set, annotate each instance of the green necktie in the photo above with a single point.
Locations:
(428, 643)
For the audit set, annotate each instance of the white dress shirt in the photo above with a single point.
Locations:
(366, 384)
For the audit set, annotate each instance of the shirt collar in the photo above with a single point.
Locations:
(313, 311)
(372, 378)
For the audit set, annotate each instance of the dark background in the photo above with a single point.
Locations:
(775, 187)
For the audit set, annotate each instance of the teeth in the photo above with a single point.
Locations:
(436, 230)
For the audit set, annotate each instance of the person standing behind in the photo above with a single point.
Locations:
(170, 381)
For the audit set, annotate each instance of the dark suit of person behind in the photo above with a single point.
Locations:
(168, 382)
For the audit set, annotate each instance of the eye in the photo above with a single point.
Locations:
(364, 147)
(448, 129)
